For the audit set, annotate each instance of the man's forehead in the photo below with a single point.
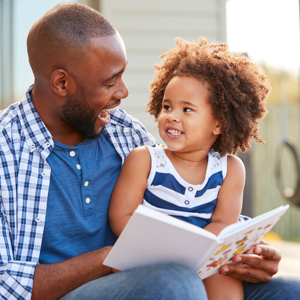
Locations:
(108, 54)
(109, 43)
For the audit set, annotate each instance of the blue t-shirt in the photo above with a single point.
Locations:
(82, 180)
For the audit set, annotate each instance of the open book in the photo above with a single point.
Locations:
(153, 237)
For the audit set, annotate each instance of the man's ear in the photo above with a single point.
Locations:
(61, 82)
(217, 129)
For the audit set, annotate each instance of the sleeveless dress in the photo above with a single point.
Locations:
(167, 192)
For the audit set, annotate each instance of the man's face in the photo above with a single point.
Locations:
(100, 86)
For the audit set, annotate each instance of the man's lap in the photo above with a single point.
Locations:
(279, 288)
(161, 281)
(174, 281)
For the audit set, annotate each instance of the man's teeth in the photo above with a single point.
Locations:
(174, 132)
(104, 115)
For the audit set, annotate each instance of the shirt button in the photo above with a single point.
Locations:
(43, 174)
(87, 200)
(72, 153)
(187, 202)
(37, 219)
(190, 189)
(86, 184)
(47, 145)
(78, 166)
(33, 145)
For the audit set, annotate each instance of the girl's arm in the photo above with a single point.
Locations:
(129, 189)
(230, 197)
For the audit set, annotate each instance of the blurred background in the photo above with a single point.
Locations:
(267, 31)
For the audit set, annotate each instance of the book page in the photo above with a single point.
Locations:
(249, 234)
(148, 240)
(231, 229)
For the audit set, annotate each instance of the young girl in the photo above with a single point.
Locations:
(207, 102)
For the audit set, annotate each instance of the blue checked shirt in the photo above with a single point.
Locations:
(25, 144)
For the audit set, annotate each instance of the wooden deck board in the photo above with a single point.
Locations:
(290, 262)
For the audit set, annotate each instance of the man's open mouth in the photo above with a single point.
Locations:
(104, 115)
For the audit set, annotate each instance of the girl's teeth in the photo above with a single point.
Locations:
(174, 132)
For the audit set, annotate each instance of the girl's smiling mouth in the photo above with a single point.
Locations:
(173, 133)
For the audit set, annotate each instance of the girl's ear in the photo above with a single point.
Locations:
(217, 129)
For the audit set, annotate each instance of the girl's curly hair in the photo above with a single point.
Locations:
(238, 89)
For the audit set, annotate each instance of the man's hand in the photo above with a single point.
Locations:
(259, 266)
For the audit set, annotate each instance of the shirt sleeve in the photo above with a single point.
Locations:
(243, 218)
(16, 277)
(141, 136)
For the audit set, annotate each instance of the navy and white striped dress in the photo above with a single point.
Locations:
(167, 192)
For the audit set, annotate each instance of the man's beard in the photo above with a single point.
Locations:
(79, 115)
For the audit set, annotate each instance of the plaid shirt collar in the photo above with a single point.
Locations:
(35, 132)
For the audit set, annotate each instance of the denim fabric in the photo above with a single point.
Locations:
(161, 281)
(279, 288)
(175, 282)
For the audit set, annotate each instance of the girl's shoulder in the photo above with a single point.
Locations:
(138, 156)
(234, 163)
(156, 150)
(145, 153)
(139, 152)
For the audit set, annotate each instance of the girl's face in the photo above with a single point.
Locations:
(186, 123)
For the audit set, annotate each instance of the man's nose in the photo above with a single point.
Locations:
(122, 92)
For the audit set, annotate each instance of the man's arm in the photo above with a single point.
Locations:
(254, 268)
(53, 281)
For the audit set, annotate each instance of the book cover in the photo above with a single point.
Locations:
(153, 237)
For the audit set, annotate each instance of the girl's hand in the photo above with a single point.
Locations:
(257, 267)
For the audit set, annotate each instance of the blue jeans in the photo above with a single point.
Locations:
(169, 281)
(280, 287)
(175, 282)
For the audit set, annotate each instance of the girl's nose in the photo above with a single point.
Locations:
(173, 117)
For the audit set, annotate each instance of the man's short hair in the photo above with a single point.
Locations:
(65, 29)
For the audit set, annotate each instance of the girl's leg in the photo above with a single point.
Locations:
(219, 287)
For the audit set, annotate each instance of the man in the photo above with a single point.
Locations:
(61, 153)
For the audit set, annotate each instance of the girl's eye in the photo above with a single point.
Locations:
(187, 109)
(167, 107)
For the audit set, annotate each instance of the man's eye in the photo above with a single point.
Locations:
(112, 84)
(186, 109)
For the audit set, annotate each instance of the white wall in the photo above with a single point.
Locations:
(149, 29)
(25, 13)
